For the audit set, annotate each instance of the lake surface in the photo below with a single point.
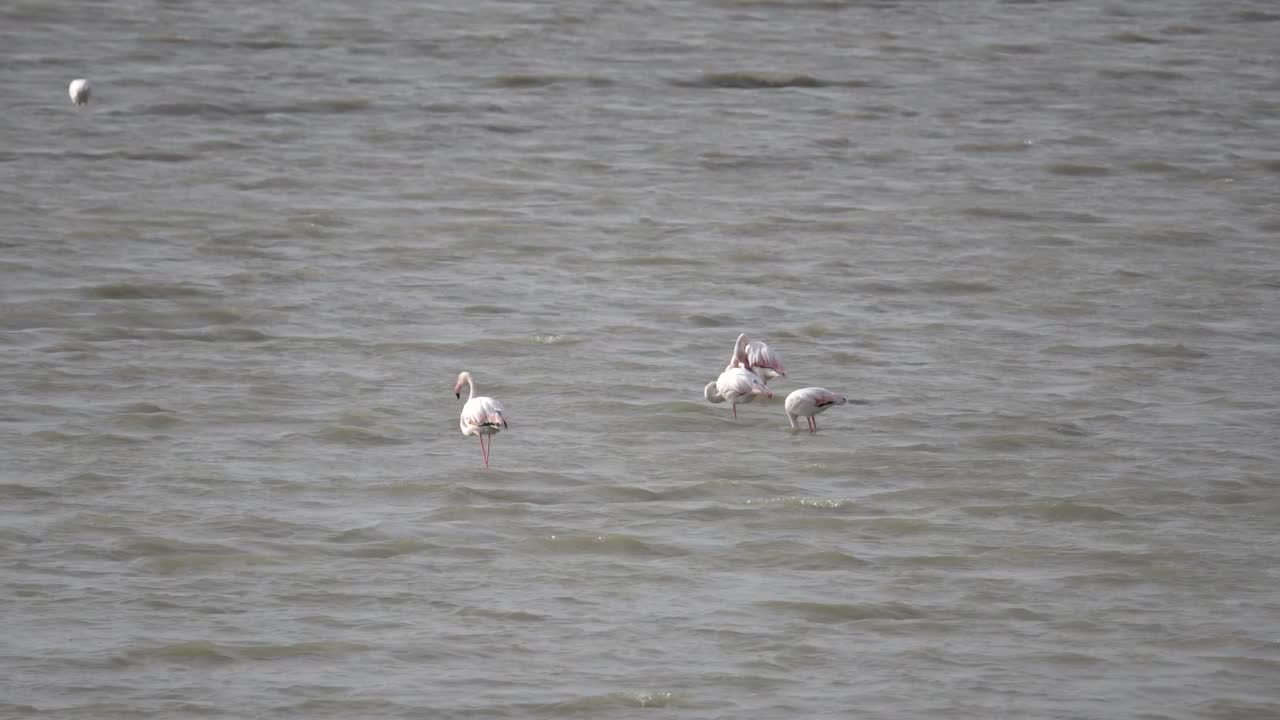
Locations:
(1036, 242)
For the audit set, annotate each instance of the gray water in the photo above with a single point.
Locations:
(1036, 241)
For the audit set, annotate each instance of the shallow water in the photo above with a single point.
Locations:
(1035, 241)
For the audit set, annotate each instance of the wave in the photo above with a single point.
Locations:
(994, 213)
(601, 545)
(113, 156)
(843, 612)
(1017, 48)
(1056, 511)
(1129, 37)
(594, 705)
(236, 335)
(333, 106)
(794, 556)
(991, 148)
(1159, 350)
(808, 503)
(758, 80)
(152, 546)
(207, 652)
(143, 291)
(487, 310)
(14, 491)
(1158, 167)
(624, 493)
(175, 564)
(1077, 169)
(351, 435)
(93, 439)
(1144, 74)
(712, 321)
(525, 81)
(956, 287)
(517, 615)
(393, 548)
(152, 420)
(657, 260)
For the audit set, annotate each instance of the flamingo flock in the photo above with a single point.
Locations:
(751, 366)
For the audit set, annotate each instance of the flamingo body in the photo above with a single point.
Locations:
(482, 416)
(79, 91)
(808, 403)
(736, 386)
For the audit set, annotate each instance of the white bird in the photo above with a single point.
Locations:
(736, 385)
(481, 416)
(808, 402)
(759, 358)
(79, 91)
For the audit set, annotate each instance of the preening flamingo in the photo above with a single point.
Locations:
(758, 357)
(736, 385)
(808, 402)
(481, 416)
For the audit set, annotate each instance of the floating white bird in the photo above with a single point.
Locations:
(79, 91)
(758, 357)
(808, 402)
(736, 385)
(481, 416)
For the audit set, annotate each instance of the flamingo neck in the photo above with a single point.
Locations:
(471, 385)
(739, 351)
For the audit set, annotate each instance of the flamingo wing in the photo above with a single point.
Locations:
(760, 355)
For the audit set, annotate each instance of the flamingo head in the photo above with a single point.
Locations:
(759, 388)
(464, 377)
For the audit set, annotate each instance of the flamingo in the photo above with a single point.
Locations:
(736, 385)
(79, 91)
(808, 402)
(759, 357)
(481, 416)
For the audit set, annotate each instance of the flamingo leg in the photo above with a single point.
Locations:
(813, 424)
(735, 411)
(489, 452)
(484, 452)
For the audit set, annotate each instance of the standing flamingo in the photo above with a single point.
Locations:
(79, 91)
(736, 385)
(758, 357)
(808, 402)
(481, 416)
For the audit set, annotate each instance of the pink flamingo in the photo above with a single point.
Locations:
(79, 92)
(481, 416)
(809, 402)
(759, 358)
(736, 385)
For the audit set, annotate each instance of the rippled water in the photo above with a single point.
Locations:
(1036, 241)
